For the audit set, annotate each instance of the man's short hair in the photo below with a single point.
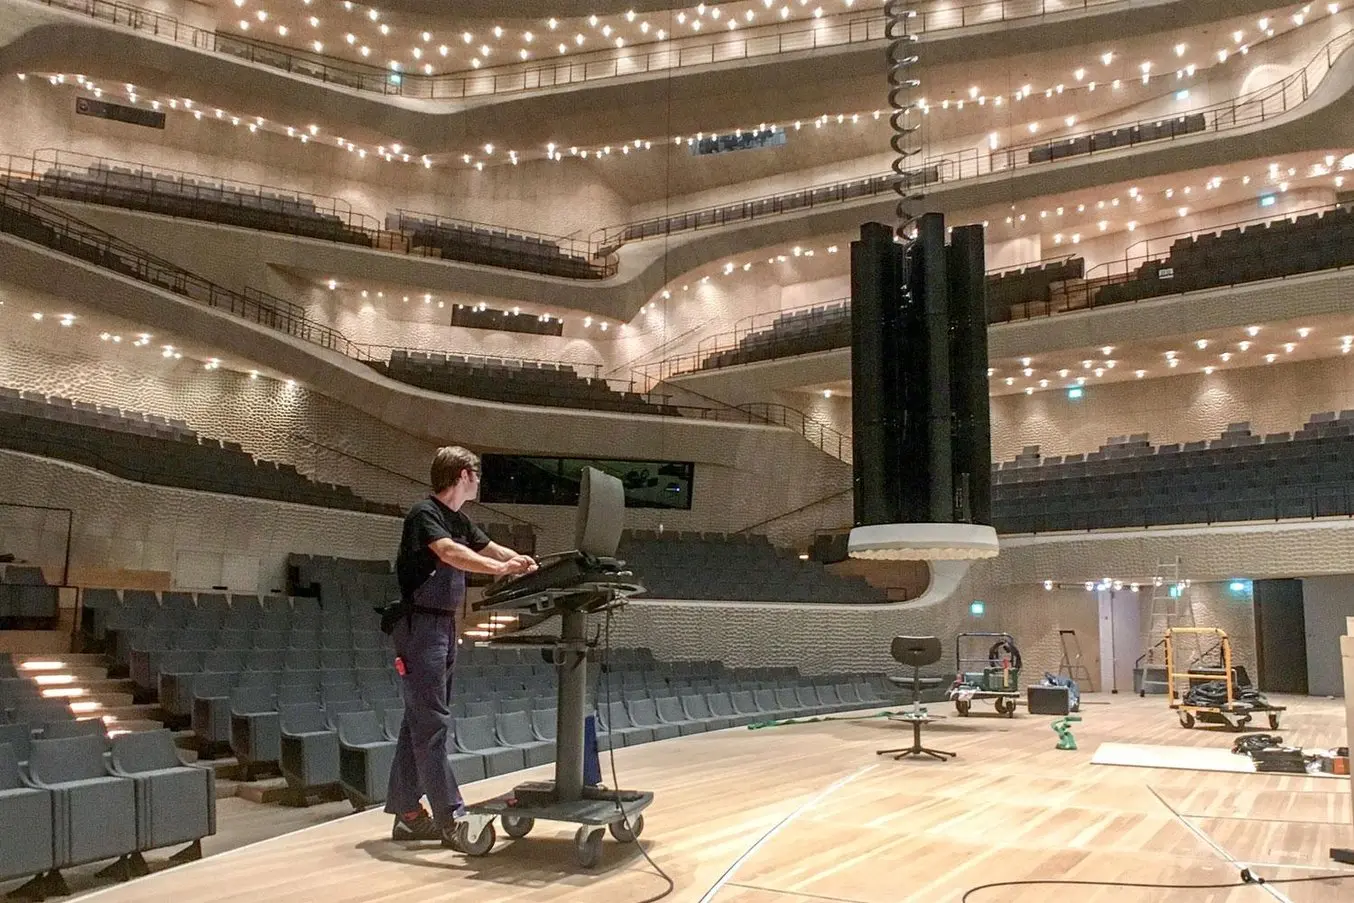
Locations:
(448, 465)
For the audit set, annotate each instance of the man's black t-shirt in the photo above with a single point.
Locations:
(426, 522)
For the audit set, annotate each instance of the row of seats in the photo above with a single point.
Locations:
(610, 240)
(1030, 285)
(512, 382)
(68, 801)
(1126, 136)
(1239, 476)
(1283, 247)
(488, 246)
(828, 326)
(735, 567)
(180, 195)
(492, 744)
(128, 445)
(55, 229)
(172, 193)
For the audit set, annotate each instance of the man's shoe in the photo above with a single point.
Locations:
(448, 832)
(416, 829)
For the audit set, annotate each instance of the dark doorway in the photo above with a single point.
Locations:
(1280, 636)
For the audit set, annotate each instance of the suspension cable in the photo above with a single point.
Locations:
(906, 140)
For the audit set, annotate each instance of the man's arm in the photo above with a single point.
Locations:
(459, 556)
(500, 553)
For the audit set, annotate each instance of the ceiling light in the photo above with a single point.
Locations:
(1304, 332)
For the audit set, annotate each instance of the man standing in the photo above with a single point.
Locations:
(438, 547)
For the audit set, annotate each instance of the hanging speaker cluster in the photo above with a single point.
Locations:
(921, 434)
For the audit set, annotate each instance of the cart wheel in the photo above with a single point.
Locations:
(478, 846)
(961, 706)
(1274, 721)
(628, 833)
(1186, 719)
(516, 826)
(1241, 723)
(1005, 707)
(588, 846)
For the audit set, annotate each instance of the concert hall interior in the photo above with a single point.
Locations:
(678, 276)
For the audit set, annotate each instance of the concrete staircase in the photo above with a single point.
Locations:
(83, 681)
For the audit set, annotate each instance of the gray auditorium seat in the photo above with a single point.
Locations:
(25, 821)
(773, 708)
(94, 812)
(475, 736)
(309, 750)
(365, 758)
(697, 709)
(84, 727)
(849, 696)
(721, 706)
(175, 802)
(670, 711)
(19, 737)
(544, 723)
(514, 730)
(255, 729)
(644, 714)
(617, 724)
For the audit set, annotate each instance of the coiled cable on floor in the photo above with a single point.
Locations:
(903, 84)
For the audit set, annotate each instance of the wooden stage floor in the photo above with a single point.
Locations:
(809, 813)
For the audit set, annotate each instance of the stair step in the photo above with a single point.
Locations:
(80, 673)
(144, 712)
(271, 790)
(65, 660)
(131, 725)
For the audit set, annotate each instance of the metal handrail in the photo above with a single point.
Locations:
(1318, 497)
(53, 172)
(686, 53)
(26, 217)
(1078, 294)
(1257, 106)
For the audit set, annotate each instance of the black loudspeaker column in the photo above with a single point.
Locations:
(922, 433)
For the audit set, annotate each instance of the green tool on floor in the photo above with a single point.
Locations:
(1063, 728)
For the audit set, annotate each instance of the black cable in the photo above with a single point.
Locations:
(1246, 877)
(616, 781)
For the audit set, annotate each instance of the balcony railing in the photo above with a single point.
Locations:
(1249, 109)
(748, 43)
(51, 172)
(24, 216)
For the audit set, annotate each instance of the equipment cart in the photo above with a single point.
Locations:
(995, 675)
(572, 585)
(1231, 707)
(567, 798)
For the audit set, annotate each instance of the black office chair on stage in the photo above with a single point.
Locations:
(915, 651)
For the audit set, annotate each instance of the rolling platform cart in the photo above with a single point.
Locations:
(1230, 709)
(996, 675)
(572, 585)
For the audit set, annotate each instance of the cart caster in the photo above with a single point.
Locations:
(1006, 707)
(588, 846)
(1274, 721)
(1240, 724)
(480, 845)
(628, 833)
(1186, 719)
(962, 707)
(517, 826)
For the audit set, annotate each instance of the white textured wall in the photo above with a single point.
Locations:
(1273, 398)
(121, 525)
(559, 199)
(744, 480)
